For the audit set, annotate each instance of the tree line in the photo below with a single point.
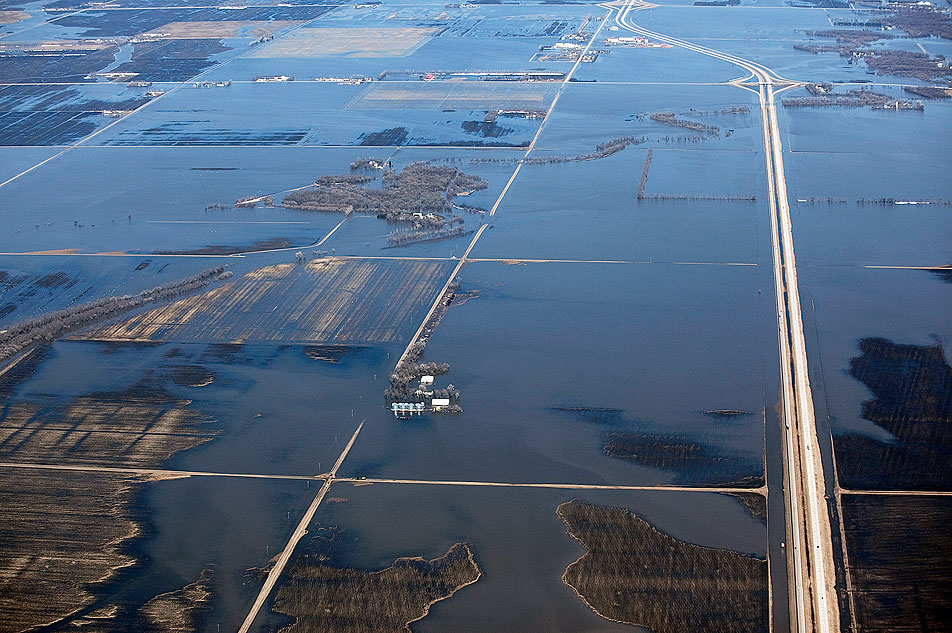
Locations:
(50, 326)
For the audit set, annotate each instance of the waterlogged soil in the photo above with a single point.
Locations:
(519, 543)
(899, 561)
(62, 533)
(139, 426)
(328, 599)
(20, 290)
(912, 401)
(633, 573)
(677, 452)
(694, 462)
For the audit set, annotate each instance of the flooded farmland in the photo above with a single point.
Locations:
(475, 317)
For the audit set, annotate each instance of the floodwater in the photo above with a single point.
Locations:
(533, 340)
(518, 541)
(585, 313)
(225, 525)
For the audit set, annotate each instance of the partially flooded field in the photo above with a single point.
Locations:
(332, 113)
(521, 547)
(62, 534)
(203, 407)
(883, 386)
(140, 426)
(34, 285)
(111, 553)
(681, 585)
(138, 423)
(18, 289)
(336, 301)
(912, 389)
(60, 115)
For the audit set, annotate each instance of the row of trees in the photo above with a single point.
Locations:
(669, 118)
(410, 368)
(849, 99)
(252, 201)
(401, 388)
(684, 196)
(644, 175)
(889, 201)
(402, 238)
(602, 150)
(50, 326)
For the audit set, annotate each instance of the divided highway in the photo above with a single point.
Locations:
(815, 606)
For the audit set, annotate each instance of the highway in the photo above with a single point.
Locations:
(815, 607)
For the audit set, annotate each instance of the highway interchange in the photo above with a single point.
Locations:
(811, 552)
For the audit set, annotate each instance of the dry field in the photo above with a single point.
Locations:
(461, 95)
(355, 42)
(220, 29)
(328, 301)
(12, 17)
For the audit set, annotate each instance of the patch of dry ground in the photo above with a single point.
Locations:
(899, 559)
(12, 17)
(200, 30)
(462, 95)
(351, 42)
(176, 611)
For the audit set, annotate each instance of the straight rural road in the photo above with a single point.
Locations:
(298, 534)
(557, 486)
